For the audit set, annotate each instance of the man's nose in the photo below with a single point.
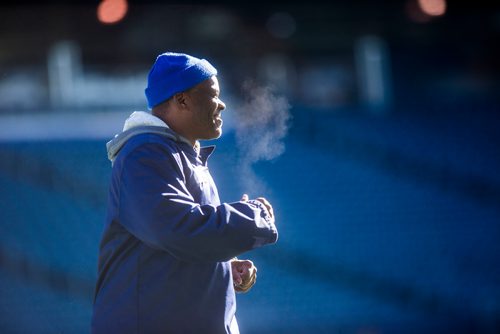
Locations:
(222, 105)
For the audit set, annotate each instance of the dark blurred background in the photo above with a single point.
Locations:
(387, 192)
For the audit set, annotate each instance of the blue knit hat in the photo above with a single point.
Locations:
(173, 73)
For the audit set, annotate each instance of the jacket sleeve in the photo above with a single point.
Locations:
(157, 208)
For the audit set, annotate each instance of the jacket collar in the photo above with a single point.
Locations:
(142, 122)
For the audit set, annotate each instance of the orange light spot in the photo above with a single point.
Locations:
(432, 7)
(112, 11)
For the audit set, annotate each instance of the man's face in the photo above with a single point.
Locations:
(205, 108)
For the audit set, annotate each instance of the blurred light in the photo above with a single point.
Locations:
(423, 11)
(112, 11)
(213, 24)
(65, 71)
(432, 7)
(372, 64)
(277, 71)
(281, 25)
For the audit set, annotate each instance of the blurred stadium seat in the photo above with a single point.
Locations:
(364, 245)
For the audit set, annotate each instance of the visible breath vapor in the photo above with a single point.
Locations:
(262, 123)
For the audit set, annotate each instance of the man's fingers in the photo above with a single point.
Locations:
(267, 205)
(248, 264)
(246, 285)
(253, 275)
(244, 275)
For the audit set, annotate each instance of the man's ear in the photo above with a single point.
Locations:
(180, 99)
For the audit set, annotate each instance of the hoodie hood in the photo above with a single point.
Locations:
(140, 122)
(141, 118)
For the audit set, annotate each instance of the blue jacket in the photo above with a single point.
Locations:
(163, 261)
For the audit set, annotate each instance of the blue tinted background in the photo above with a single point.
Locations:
(389, 221)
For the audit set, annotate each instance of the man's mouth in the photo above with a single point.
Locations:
(218, 120)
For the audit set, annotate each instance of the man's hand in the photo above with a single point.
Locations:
(264, 201)
(244, 274)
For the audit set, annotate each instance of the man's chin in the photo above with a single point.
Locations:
(218, 133)
(214, 135)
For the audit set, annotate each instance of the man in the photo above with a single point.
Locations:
(167, 255)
